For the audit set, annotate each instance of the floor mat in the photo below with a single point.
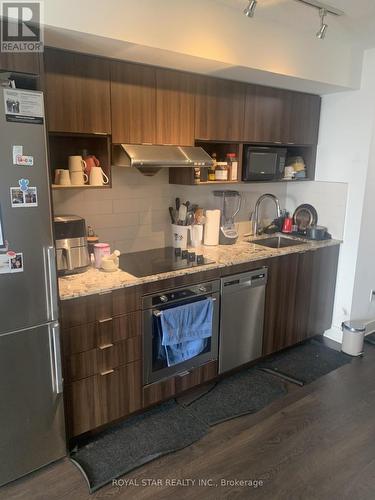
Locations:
(245, 392)
(306, 362)
(136, 441)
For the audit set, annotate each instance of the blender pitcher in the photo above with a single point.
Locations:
(229, 203)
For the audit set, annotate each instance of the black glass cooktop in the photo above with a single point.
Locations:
(160, 260)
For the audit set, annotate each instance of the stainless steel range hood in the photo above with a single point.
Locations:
(149, 159)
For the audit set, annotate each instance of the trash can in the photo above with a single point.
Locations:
(353, 337)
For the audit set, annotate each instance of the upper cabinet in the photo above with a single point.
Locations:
(175, 97)
(77, 92)
(219, 109)
(20, 63)
(280, 116)
(133, 103)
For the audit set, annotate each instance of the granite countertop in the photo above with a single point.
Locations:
(95, 281)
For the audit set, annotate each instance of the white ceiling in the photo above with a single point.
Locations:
(357, 25)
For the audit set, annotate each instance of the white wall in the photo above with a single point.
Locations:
(343, 156)
(210, 31)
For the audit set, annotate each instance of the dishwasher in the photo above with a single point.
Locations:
(242, 318)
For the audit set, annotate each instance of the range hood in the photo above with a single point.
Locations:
(149, 159)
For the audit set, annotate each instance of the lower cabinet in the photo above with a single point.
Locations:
(165, 389)
(102, 398)
(300, 297)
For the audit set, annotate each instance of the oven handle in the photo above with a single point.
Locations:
(158, 313)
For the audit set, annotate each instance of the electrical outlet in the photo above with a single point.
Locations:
(372, 296)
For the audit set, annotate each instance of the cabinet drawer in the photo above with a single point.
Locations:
(98, 400)
(97, 361)
(166, 389)
(99, 307)
(94, 335)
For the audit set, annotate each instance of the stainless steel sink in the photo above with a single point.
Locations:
(277, 242)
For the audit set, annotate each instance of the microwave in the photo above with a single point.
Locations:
(263, 163)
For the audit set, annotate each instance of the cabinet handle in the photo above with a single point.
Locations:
(100, 321)
(107, 372)
(105, 346)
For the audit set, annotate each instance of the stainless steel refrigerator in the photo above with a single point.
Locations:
(32, 430)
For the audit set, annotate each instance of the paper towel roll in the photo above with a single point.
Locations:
(212, 227)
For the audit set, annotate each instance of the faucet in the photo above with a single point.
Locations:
(256, 212)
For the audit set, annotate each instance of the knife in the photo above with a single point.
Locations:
(172, 214)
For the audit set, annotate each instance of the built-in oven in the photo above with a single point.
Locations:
(155, 364)
(262, 163)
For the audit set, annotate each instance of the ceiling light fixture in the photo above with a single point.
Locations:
(323, 27)
(250, 9)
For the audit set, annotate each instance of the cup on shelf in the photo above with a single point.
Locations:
(78, 178)
(64, 178)
(76, 163)
(57, 175)
(97, 177)
(91, 162)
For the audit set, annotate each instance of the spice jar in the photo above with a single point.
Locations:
(221, 171)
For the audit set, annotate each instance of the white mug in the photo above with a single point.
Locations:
(76, 164)
(78, 178)
(98, 177)
(64, 178)
(57, 175)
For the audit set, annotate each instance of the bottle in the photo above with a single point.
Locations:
(233, 166)
(288, 224)
(211, 170)
(221, 171)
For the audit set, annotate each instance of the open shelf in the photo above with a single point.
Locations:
(62, 145)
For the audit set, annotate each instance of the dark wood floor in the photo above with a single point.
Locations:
(318, 442)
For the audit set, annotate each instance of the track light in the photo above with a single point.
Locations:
(323, 27)
(250, 9)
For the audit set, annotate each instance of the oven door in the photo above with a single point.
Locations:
(155, 365)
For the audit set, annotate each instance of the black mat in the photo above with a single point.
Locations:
(370, 339)
(136, 441)
(306, 362)
(245, 392)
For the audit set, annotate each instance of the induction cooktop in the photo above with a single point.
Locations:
(160, 260)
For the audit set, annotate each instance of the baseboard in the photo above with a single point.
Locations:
(334, 333)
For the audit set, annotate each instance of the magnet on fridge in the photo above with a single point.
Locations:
(24, 196)
(17, 151)
(24, 184)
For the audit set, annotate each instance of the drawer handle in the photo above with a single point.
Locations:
(100, 321)
(105, 346)
(107, 372)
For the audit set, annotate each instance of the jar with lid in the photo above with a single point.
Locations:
(221, 171)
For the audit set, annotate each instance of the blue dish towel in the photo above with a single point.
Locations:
(186, 329)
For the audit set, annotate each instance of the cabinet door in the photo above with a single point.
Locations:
(174, 107)
(77, 92)
(304, 119)
(133, 103)
(219, 109)
(280, 303)
(20, 63)
(264, 114)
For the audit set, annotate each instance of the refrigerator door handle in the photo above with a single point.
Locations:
(57, 379)
(51, 283)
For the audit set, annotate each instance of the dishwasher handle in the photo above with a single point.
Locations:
(245, 280)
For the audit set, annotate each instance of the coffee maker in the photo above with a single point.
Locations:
(229, 203)
(71, 244)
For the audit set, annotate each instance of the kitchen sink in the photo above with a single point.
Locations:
(277, 242)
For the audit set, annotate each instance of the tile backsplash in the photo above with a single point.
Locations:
(133, 215)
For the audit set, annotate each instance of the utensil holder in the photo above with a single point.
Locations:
(180, 236)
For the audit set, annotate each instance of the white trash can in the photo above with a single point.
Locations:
(353, 337)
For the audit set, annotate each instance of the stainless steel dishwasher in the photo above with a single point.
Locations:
(242, 318)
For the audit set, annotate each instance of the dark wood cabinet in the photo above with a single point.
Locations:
(219, 109)
(175, 112)
(281, 116)
(77, 92)
(300, 297)
(133, 103)
(20, 63)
